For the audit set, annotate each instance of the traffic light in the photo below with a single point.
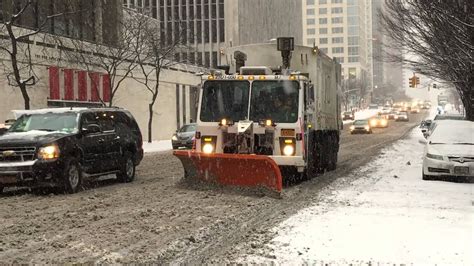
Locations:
(411, 82)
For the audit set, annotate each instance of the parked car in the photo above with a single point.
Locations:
(402, 116)
(449, 150)
(449, 117)
(373, 106)
(184, 137)
(348, 115)
(391, 115)
(63, 146)
(378, 121)
(415, 110)
(361, 126)
(425, 126)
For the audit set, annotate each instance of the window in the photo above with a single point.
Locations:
(309, 2)
(336, 20)
(352, 11)
(340, 60)
(337, 30)
(310, 21)
(336, 1)
(322, 2)
(310, 41)
(310, 11)
(310, 31)
(337, 50)
(323, 31)
(353, 20)
(324, 50)
(337, 40)
(353, 50)
(323, 11)
(353, 59)
(323, 40)
(323, 21)
(336, 10)
(353, 40)
(353, 30)
(352, 2)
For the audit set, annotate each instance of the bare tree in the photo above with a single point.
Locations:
(17, 46)
(117, 60)
(438, 40)
(153, 55)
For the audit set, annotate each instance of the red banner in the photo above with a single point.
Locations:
(68, 84)
(54, 83)
(94, 87)
(106, 92)
(82, 85)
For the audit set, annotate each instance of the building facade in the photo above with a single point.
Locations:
(343, 29)
(206, 27)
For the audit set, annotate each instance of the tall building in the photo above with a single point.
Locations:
(342, 29)
(208, 26)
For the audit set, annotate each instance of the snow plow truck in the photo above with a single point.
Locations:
(258, 118)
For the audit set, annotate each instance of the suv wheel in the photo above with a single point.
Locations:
(72, 176)
(127, 171)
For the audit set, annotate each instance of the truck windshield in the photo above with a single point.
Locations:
(63, 122)
(224, 99)
(276, 100)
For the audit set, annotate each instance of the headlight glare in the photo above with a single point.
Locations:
(174, 137)
(208, 148)
(367, 128)
(288, 150)
(352, 128)
(48, 152)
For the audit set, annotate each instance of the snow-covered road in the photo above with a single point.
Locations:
(390, 215)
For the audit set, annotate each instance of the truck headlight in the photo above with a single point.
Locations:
(174, 137)
(208, 148)
(434, 156)
(48, 152)
(288, 150)
(373, 123)
(352, 128)
(367, 128)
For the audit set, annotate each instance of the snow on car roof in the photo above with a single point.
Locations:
(18, 113)
(453, 131)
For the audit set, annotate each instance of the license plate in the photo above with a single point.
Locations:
(7, 179)
(183, 142)
(287, 132)
(463, 170)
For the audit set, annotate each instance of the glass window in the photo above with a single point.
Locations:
(323, 40)
(322, 2)
(310, 11)
(275, 100)
(340, 60)
(310, 21)
(353, 50)
(336, 10)
(352, 10)
(62, 122)
(324, 50)
(311, 31)
(353, 20)
(352, 2)
(353, 59)
(336, 20)
(353, 40)
(224, 99)
(353, 30)
(336, 1)
(337, 30)
(323, 11)
(323, 31)
(337, 50)
(310, 41)
(310, 2)
(338, 40)
(323, 21)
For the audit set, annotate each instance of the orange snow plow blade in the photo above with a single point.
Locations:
(241, 170)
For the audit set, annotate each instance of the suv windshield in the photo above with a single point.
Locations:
(63, 122)
(276, 100)
(224, 99)
(188, 128)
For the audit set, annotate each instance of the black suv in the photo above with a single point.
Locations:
(63, 146)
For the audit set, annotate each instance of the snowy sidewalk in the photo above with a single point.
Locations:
(390, 215)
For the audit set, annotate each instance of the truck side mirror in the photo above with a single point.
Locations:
(91, 129)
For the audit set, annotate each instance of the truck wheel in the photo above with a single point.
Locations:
(319, 151)
(127, 169)
(2, 188)
(311, 171)
(72, 176)
(333, 153)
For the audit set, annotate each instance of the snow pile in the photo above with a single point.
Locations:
(157, 146)
(390, 215)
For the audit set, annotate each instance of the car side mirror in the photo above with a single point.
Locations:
(91, 129)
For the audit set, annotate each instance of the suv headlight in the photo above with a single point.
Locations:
(48, 152)
(174, 137)
(434, 156)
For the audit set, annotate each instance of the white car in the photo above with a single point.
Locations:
(449, 150)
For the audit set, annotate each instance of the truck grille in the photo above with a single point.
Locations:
(17, 154)
(460, 159)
